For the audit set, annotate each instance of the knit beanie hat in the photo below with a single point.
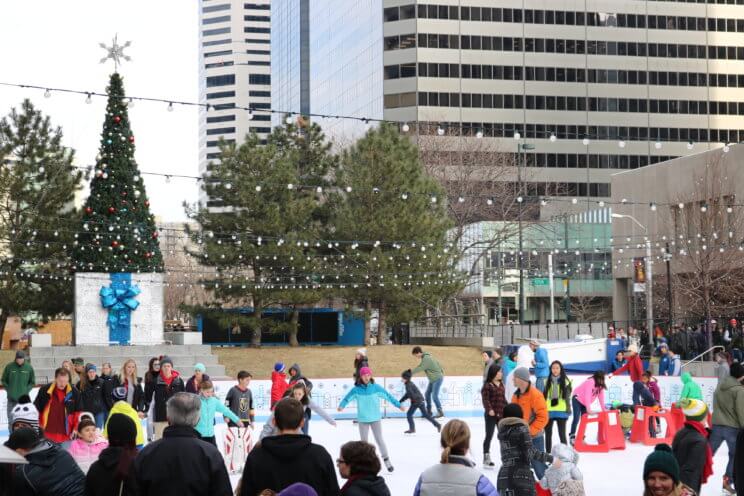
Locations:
(406, 374)
(662, 460)
(365, 371)
(164, 360)
(26, 413)
(77, 361)
(89, 367)
(119, 393)
(694, 409)
(121, 430)
(278, 366)
(522, 373)
(489, 353)
(20, 355)
(22, 438)
(737, 370)
(199, 367)
(513, 410)
(362, 351)
(298, 489)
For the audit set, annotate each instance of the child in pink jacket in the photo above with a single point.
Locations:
(584, 396)
(88, 445)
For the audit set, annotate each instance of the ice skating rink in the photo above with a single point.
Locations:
(615, 473)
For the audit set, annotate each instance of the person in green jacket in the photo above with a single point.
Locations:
(728, 417)
(434, 373)
(210, 405)
(690, 389)
(18, 379)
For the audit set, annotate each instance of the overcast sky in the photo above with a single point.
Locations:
(53, 43)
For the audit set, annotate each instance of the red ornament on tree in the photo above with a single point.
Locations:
(155, 235)
(147, 203)
(114, 243)
(131, 139)
(88, 210)
(117, 119)
(111, 210)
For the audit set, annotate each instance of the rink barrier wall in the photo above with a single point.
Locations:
(459, 395)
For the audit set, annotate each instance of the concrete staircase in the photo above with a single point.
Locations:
(46, 359)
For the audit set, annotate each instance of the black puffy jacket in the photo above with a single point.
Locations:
(96, 396)
(517, 452)
(689, 447)
(162, 393)
(51, 471)
(372, 485)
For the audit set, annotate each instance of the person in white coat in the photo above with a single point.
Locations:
(526, 359)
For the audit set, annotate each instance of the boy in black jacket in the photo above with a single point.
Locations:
(417, 403)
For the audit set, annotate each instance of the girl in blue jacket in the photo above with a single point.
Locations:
(367, 395)
(210, 405)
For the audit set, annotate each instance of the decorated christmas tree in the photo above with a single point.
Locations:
(118, 232)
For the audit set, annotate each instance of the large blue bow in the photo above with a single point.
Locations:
(119, 300)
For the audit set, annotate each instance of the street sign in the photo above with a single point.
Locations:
(541, 281)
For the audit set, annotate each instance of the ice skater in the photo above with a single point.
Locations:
(367, 395)
(417, 403)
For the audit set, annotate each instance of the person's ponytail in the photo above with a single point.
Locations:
(455, 439)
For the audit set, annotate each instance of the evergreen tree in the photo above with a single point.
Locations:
(37, 216)
(118, 231)
(392, 200)
(267, 204)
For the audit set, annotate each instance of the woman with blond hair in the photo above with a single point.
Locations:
(455, 473)
(128, 379)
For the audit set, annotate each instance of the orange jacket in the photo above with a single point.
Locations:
(534, 409)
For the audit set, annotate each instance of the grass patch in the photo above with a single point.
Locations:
(336, 361)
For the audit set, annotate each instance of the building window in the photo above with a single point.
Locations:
(220, 130)
(220, 94)
(221, 118)
(216, 8)
(258, 52)
(215, 20)
(251, 29)
(259, 93)
(223, 106)
(254, 40)
(211, 144)
(215, 42)
(212, 32)
(218, 54)
(257, 6)
(259, 79)
(223, 80)
(259, 62)
(257, 18)
(261, 105)
(224, 63)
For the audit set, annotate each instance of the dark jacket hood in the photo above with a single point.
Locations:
(109, 457)
(373, 485)
(296, 368)
(44, 453)
(729, 383)
(286, 446)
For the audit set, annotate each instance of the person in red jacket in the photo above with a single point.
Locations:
(278, 383)
(634, 365)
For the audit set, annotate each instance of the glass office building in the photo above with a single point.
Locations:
(327, 59)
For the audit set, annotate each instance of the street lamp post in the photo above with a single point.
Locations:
(649, 278)
(668, 260)
(520, 199)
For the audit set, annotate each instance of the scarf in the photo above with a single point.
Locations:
(130, 391)
(708, 467)
(351, 479)
(555, 390)
(168, 380)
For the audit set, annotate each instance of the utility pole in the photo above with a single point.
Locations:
(568, 275)
(668, 260)
(519, 258)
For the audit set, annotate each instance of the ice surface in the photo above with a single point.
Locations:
(615, 473)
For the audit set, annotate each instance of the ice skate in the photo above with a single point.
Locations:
(439, 414)
(388, 465)
(487, 462)
(728, 489)
(410, 431)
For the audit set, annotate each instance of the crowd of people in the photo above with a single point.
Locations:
(88, 427)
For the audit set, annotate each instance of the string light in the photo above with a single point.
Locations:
(405, 127)
(88, 99)
(170, 106)
(621, 143)
(47, 93)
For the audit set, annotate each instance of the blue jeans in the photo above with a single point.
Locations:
(577, 410)
(540, 383)
(719, 434)
(433, 389)
(100, 419)
(412, 410)
(539, 467)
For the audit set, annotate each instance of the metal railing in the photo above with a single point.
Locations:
(510, 333)
(701, 355)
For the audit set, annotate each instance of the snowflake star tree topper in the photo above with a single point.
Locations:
(115, 52)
